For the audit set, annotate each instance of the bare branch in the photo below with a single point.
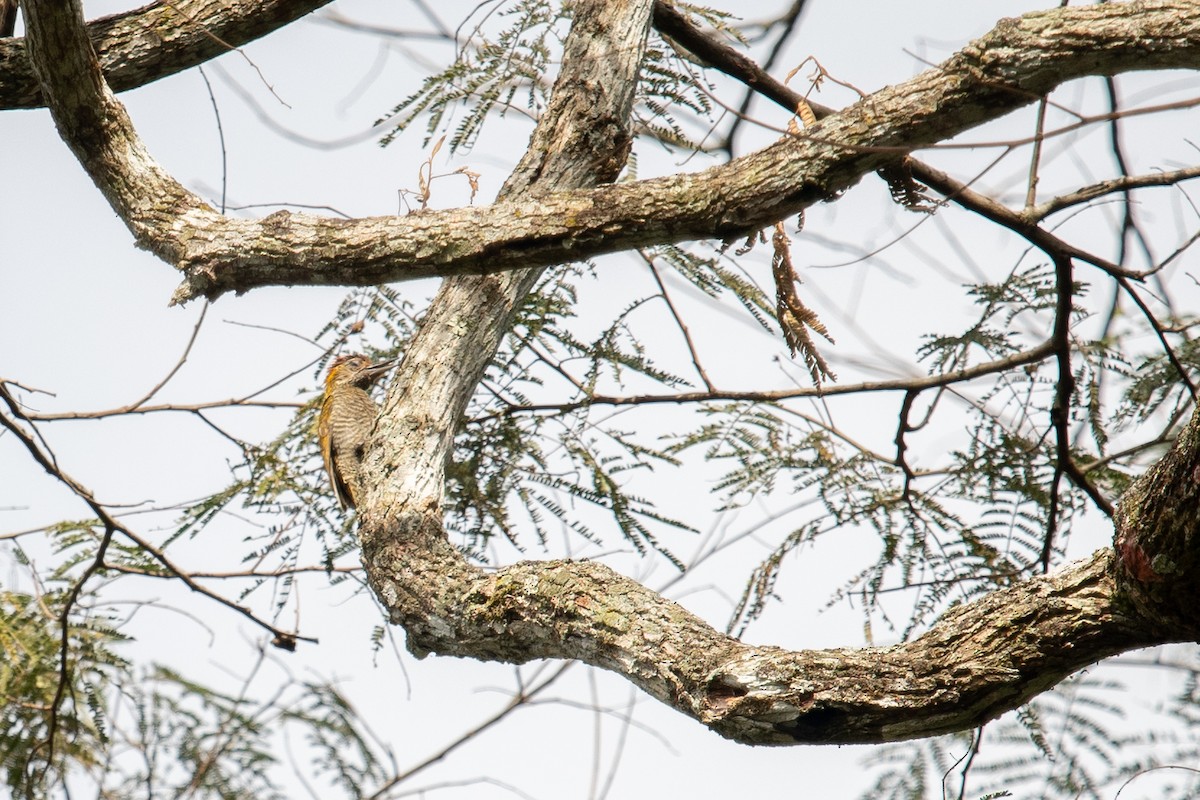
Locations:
(284, 639)
(1097, 190)
(140, 46)
(683, 328)
(1025, 358)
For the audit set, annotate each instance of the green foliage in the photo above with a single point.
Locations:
(192, 740)
(486, 75)
(346, 752)
(718, 276)
(199, 741)
(497, 72)
(542, 464)
(52, 678)
(511, 473)
(155, 731)
(1081, 744)
(1070, 742)
(1155, 384)
(525, 468)
(1027, 295)
(283, 481)
(1002, 479)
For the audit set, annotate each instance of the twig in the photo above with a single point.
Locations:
(522, 697)
(1032, 356)
(903, 428)
(178, 364)
(1036, 156)
(683, 328)
(1122, 184)
(283, 638)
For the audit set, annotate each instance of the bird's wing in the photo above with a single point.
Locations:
(329, 456)
(342, 490)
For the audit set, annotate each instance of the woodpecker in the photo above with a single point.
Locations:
(346, 420)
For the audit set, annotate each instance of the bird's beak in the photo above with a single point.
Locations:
(376, 371)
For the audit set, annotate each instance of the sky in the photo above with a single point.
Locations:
(85, 320)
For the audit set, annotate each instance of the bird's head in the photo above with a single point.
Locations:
(356, 370)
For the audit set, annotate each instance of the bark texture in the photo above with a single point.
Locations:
(1020, 60)
(160, 39)
(1158, 541)
(980, 660)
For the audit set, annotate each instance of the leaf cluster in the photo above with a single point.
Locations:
(540, 465)
(495, 72)
(32, 669)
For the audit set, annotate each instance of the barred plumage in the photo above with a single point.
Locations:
(346, 420)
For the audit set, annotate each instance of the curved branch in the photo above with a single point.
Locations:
(140, 46)
(1020, 60)
(979, 661)
(982, 659)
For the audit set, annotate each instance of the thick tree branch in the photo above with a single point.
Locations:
(722, 56)
(582, 138)
(140, 46)
(1017, 62)
(1156, 540)
(980, 660)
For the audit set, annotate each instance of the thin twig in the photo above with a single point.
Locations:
(683, 328)
(1031, 356)
(522, 697)
(1035, 157)
(108, 520)
(178, 364)
(1122, 184)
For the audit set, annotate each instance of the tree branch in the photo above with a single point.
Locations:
(1017, 62)
(910, 385)
(140, 46)
(284, 639)
(980, 660)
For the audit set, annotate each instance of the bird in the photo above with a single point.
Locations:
(346, 420)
